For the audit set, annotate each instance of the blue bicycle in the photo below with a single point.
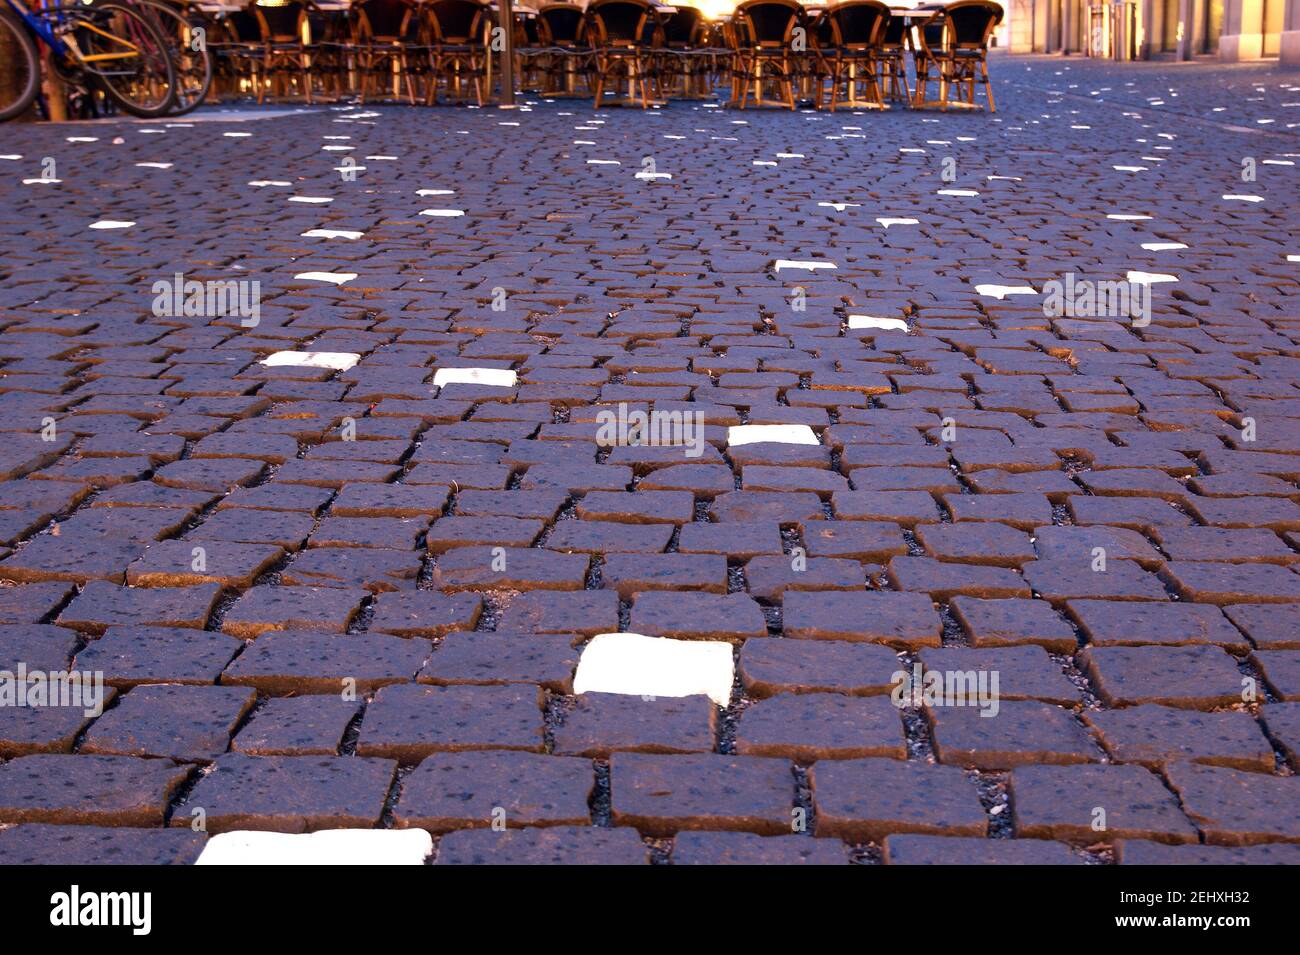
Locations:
(105, 44)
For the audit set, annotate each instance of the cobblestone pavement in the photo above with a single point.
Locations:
(326, 593)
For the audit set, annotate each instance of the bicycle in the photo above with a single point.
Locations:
(186, 32)
(107, 45)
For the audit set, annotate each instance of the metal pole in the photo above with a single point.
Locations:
(506, 14)
(56, 93)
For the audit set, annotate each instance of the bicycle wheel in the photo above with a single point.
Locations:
(187, 43)
(128, 57)
(20, 71)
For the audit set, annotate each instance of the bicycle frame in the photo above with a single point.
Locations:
(42, 27)
(46, 21)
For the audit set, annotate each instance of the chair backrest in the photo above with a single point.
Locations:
(280, 22)
(970, 23)
(456, 21)
(858, 24)
(526, 31)
(685, 28)
(735, 33)
(820, 30)
(561, 24)
(245, 26)
(894, 34)
(769, 23)
(931, 38)
(385, 19)
(620, 23)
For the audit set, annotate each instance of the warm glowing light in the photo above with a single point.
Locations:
(711, 8)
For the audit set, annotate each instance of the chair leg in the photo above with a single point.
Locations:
(404, 68)
(988, 86)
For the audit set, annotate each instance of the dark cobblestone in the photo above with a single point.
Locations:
(995, 485)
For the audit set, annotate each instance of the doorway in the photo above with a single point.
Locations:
(1169, 26)
(1273, 15)
(1212, 24)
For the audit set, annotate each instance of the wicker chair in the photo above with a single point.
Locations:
(955, 42)
(387, 43)
(330, 29)
(682, 57)
(562, 32)
(235, 41)
(286, 46)
(764, 38)
(622, 37)
(856, 28)
(735, 38)
(458, 51)
(530, 55)
(891, 60)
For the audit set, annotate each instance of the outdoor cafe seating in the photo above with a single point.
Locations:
(562, 47)
(955, 45)
(852, 54)
(386, 38)
(622, 34)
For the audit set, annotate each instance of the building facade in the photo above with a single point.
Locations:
(1157, 29)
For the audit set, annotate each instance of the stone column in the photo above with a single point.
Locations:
(1242, 39)
(1020, 20)
(1069, 25)
(1147, 21)
(1187, 17)
(1290, 53)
